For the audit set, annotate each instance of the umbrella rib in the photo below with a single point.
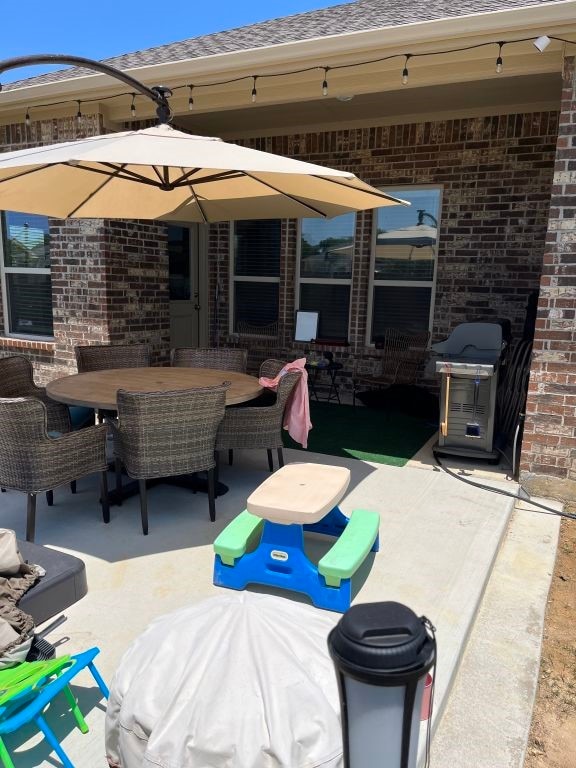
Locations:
(286, 194)
(376, 193)
(158, 174)
(197, 201)
(129, 174)
(25, 173)
(222, 176)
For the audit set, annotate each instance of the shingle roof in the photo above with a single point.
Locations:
(338, 19)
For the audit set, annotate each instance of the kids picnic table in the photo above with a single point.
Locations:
(265, 543)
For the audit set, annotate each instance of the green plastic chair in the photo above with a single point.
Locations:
(27, 689)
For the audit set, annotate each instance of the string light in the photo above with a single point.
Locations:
(325, 82)
(27, 118)
(499, 66)
(133, 106)
(405, 70)
(540, 43)
(79, 114)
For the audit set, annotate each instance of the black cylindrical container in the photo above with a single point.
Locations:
(382, 653)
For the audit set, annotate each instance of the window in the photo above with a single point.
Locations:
(404, 261)
(255, 275)
(326, 251)
(26, 283)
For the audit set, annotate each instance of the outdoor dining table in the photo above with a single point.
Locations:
(98, 389)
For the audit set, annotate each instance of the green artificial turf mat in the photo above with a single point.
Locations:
(380, 435)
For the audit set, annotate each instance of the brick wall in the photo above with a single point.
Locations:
(548, 463)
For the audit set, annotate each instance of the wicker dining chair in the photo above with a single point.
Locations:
(100, 357)
(221, 358)
(271, 368)
(32, 461)
(17, 380)
(163, 434)
(258, 427)
(400, 357)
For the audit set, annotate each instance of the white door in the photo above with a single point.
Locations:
(188, 286)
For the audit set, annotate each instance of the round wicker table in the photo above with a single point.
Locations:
(98, 389)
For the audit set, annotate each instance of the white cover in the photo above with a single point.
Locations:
(238, 681)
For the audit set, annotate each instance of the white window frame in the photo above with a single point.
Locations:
(323, 280)
(4, 270)
(242, 279)
(401, 283)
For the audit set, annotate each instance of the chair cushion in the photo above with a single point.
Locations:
(81, 416)
(63, 585)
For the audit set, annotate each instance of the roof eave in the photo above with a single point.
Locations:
(541, 18)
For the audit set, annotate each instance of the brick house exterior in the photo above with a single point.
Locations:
(507, 229)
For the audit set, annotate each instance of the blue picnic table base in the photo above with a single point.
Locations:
(280, 561)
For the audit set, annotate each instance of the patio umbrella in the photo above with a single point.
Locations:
(162, 173)
(417, 236)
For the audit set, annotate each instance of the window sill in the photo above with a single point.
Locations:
(34, 344)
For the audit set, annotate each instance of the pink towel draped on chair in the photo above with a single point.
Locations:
(297, 413)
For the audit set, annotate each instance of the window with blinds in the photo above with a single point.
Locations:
(26, 283)
(325, 276)
(404, 260)
(255, 275)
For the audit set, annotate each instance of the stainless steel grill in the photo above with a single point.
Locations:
(468, 362)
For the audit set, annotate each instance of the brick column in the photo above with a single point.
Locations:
(548, 462)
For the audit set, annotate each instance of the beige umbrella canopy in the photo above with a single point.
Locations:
(162, 173)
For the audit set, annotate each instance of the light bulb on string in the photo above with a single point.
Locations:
(405, 70)
(27, 118)
(499, 63)
(254, 91)
(325, 82)
(190, 98)
(79, 114)
(133, 106)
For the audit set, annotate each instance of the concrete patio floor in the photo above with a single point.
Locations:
(440, 540)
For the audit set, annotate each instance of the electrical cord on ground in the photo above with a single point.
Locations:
(525, 498)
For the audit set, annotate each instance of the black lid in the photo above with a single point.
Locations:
(377, 642)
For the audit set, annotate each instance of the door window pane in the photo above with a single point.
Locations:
(179, 263)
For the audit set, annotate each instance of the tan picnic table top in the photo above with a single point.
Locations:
(299, 493)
